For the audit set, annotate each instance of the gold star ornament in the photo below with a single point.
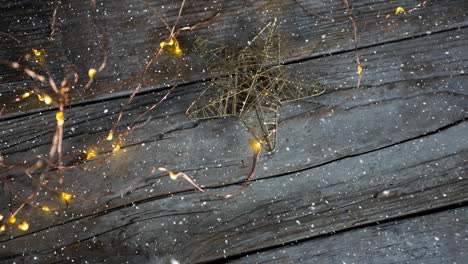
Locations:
(250, 84)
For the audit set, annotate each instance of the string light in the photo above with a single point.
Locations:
(171, 42)
(399, 10)
(91, 73)
(26, 94)
(256, 145)
(168, 43)
(174, 46)
(40, 54)
(177, 50)
(60, 118)
(110, 136)
(11, 219)
(91, 153)
(173, 176)
(66, 196)
(36, 52)
(24, 226)
(46, 99)
(116, 146)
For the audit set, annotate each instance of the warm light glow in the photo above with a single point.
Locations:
(177, 50)
(60, 118)
(26, 95)
(116, 146)
(36, 52)
(174, 49)
(256, 145)
(171, 42)
(91, 153)
(47, 99)
(91, 73)
(399, 10)
(12, 219)
(1, 217)
(24, 226)
(110, 136)
(45, 208)
(2, 228)
(359, 70)
(173, 176)
(66, 196)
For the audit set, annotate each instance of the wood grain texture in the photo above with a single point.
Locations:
(427, 239)
(398, 149)
(133, 33)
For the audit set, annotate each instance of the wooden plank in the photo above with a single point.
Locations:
(192, 227)
(434, 238)
(333, 179)
(134, 33)
(18, 138)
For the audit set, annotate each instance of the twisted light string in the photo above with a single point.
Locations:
(256, 158)
(397, 11)
(104, 46)
(54, 20)
(359, 67)
(57, 142)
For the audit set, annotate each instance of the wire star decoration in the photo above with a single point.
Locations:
(250, 84)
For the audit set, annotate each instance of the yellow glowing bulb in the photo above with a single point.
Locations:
(116, 146)
(162, 44)
(60, 118)
(2, 228)
(26, 95)
(256, 145)
(399, 10)
(91, 73)
(66, 196)
(24, 226)
(91, 153)
(36, 52)
(47, 100)
(12, 219)
(173, 176)
(45, 208)
(110, 136)
(1, 217)
(359, 70)
(171, 42)
(177, 50)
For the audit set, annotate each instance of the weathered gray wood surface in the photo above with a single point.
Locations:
(405, 133)
(434, 238)
(134, 33)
